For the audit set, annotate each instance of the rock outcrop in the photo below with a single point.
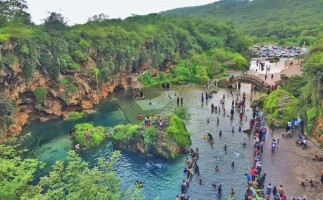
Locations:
(71, 91)
(163, 142)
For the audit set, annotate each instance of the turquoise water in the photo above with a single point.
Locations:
(50, 142)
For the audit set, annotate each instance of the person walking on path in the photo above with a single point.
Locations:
(280, 190)
(269, 189)
(253, 173)
(273, 146)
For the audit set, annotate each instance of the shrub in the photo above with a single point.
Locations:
(182, 112)
(311, 115)
(150, 137)
(97, 134)
(178, 132)
(281, 106)
(40, 94)
(75, 115)
(125, 132)
(79, 56)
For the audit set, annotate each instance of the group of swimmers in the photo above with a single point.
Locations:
(139, 184)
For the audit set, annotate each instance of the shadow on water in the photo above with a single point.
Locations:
(51, 142)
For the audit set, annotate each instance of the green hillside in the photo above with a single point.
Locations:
(293, 20)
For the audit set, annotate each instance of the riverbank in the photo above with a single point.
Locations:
(291, 165)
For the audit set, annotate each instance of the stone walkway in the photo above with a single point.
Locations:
(290, 165)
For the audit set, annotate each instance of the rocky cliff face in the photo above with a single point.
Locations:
(163, 148)
(78, 90)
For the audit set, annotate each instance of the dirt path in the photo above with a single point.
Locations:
(290, 165)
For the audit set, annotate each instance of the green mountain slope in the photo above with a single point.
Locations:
(264, 18)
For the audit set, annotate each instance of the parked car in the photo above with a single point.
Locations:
(284, 54)
(278, 54)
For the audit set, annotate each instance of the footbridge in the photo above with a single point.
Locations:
(251, 79)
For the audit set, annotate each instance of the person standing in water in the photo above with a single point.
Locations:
(220, 189)
(217, 121)
(181, 101)
(232, 165)
(177, 101)
(220, 133)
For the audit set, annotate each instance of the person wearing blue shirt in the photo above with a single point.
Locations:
(248, 177)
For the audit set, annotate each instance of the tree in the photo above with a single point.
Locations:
(16, 172)
(77, 180)
(40, 94)
(55, 22)
(14, 11)
(98, 18)
(6, 109)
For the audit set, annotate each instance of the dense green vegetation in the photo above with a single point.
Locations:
(64, 180)
(95, 137)
(199, 68)
(7, 107)
(40, 94)
(308, 88)
(283, 21)
(125, 132)
(105, 46)
(75, 115)
(281, 107)
(177, 131)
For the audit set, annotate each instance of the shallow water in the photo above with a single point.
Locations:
(50, 142)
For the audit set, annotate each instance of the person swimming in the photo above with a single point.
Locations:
(217, 168)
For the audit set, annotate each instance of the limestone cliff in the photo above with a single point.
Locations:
(74, 90)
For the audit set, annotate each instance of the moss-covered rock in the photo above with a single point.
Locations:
(88, 135)
(280, 107)
(75, 115)
(167, 142)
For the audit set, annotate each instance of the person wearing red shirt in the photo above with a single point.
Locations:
(253, 173)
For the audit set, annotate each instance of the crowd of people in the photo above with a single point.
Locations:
(192, 168)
